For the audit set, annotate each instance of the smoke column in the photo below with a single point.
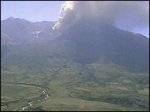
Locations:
(127, 14)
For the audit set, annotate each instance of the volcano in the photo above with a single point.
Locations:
(92, 41)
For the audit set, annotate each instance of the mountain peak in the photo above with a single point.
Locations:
(14, 19)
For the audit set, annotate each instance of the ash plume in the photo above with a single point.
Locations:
(128, 14)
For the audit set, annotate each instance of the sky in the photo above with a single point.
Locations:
(31, 10)
(43, 11)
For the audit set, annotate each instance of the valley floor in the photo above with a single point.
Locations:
(72, 89)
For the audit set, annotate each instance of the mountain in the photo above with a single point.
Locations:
(88, 66)
(88, 42)
(19, 36)
(22, 31)
(92, 42)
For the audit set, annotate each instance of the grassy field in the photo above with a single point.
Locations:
(92, 87)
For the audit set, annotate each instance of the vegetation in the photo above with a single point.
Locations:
(72, 73)
(70, 88)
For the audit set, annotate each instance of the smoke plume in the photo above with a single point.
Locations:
(128, 14)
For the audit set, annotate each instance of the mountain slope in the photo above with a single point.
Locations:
(90, 66)
(85, 42)
(93, 41)
(22, 31)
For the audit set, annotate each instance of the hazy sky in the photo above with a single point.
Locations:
(41, 11)
(31, 10)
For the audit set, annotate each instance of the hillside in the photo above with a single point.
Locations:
(89, 66)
